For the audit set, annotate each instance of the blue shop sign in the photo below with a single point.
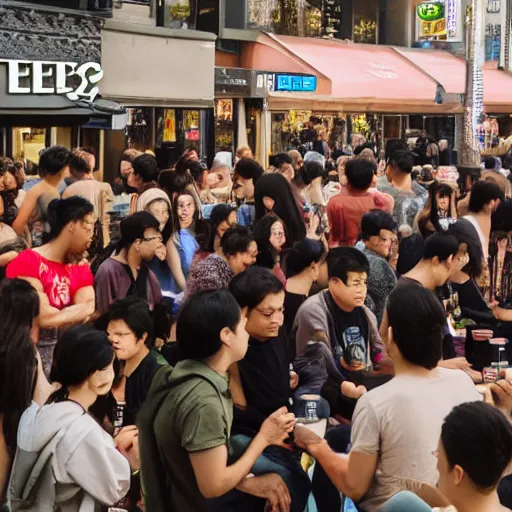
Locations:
(295, 83)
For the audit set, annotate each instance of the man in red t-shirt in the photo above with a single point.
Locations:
(346, 209)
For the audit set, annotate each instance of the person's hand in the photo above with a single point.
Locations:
(294, 380)
(124, 439)
(350, 390)
(272, 488)
(132, 454)
(161, 252)
(502, 397)
(305, 438)
(277, 427)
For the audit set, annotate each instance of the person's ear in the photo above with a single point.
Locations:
(449, 260)
(458, 474)
(268, 203)
(225, 336)
(144, 338)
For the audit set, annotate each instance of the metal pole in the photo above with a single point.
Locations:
(473, 100)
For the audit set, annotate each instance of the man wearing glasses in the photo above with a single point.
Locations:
(126, 272)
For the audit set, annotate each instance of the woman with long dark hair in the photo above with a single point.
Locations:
(21, 373)
(273, 194)
(440, 210)
(270, 236)
(65, 441)
(59, 273)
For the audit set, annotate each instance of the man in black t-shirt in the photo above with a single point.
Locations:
(262, 380)
(130, 329)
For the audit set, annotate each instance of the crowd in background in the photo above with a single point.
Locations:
(315, 336)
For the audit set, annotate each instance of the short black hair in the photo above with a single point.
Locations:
(282, 158)
(478, 438)
(303, 253)
(201, 320)
(61, 212)
(252, 286)
(146, 167)
(134, 311)
(249, 169)
(78, 165)
(417, 319)
(360, 172)
(192, 167)
(133, 227)
(235, 240)
(490, 163)
(402, 160)
(442, 245)
(482, 193)
(393, 145)
(53, 160)
(342, 260)
(310, 171)
(375, 220)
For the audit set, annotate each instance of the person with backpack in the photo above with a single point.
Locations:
(65, 461)
(185, 423)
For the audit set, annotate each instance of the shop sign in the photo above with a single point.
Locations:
(440, 20)
(292, 83)
(76, 82)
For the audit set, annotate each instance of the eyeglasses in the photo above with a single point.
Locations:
(152, 238)
(277, 233)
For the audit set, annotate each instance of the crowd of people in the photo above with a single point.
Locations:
(312, 337)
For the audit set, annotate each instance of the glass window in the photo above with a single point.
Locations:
(179, 14)
(28, 143)
(310, 18)
(365, 21)
(224, 125)
(139, 128)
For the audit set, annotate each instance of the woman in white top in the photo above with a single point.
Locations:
(72, 462)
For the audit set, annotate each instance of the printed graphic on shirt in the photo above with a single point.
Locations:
(354, 356)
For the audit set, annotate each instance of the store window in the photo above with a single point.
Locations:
(139, 131)
(224, 126)
(310, 18)
(28, 143)
(180, 14)
(365, 21)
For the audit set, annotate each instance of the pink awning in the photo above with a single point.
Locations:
(373, 77)
(450, 72)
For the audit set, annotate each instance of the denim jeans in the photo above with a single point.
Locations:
(273, 460)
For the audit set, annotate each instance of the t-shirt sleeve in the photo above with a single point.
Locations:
(309, 321)
(26, 264)
(204, 427)
(83, 276)
(365, 428)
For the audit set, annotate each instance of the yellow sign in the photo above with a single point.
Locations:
(169, 126)
(433, 28)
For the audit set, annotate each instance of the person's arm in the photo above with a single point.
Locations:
(214, 476)
(96, 455)
(25, 212)
(2, 207)
(7, 257)
(174, 262)
(50, 317)
(5, 461)
(351, 474)
(270, 487)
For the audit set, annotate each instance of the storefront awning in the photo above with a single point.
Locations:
(370, 78)
(450, 71)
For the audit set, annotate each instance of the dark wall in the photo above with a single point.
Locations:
(33, 34)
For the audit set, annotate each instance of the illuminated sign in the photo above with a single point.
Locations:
(439, 21)
(294, 83)
(75, 81)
